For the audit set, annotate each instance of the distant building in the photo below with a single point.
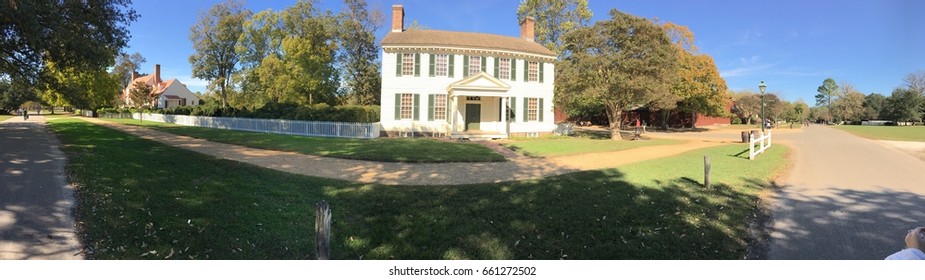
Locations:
(169, 94)
(464, 84)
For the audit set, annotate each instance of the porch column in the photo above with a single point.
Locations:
(504, 115)
(455, 111)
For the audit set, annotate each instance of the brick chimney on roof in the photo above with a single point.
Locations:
(526, 29)
(134, 76)
(398, 18)
(157, 74)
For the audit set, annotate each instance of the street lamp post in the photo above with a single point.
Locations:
(762, 87)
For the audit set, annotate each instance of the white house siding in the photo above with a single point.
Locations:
(424, 85)
(179, 90)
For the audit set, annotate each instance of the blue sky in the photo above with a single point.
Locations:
(792, 45)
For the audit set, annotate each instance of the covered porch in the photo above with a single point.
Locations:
(478, 108)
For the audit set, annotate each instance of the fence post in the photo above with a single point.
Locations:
(751, 147)
(706, 171)
(322, 231)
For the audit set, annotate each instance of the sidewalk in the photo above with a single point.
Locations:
(35, 199)
(517, 167)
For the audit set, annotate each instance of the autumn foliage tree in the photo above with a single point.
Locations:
(620, 63)
(698, 86)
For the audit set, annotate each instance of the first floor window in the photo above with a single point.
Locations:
(440, 106)
(533, 109)
(407, 106)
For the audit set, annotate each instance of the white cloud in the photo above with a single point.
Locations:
(744, 71)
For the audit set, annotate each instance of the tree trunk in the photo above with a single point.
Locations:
(693, 119)
(224, 97)
(666, 114)
(613, 116)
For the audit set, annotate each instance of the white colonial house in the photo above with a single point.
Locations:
(171, 93)
(464, 84)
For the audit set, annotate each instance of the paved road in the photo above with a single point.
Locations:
(846, 198)
(35, 200)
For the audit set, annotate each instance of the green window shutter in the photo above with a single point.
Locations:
(513, 105)
(431, 65)
(497, 61)
(539, 104)
(465, 72)
(526, 108)
(398, 65)
(447, 115)
(541, 71)
(484, 63)
(526, 71)
(430, 107)
(397, 106)
(449, 69)
(417, 64)
(513, 69)
(417, 104)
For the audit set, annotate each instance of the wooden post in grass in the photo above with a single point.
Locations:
(706, 171)
(322, 231)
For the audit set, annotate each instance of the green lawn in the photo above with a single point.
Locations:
(562, 146)
(5, 117)
(138, 199)
(894, 133)
(380, 149)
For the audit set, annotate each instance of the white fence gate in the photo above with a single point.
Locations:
(292, 127)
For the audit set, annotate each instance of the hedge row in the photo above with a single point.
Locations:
(272, 110)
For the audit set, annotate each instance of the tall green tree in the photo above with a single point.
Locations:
(214, 38)
(620, 63)
(309, 49)
(72, 34)
(125, 65)
(873, 106)
(747, 105)
(698, 86)
(904, 105)
(849, 107)
(554, 18)
(14, 93)
(827, 91)
(359, 53)
(261, 41)
(80, 88)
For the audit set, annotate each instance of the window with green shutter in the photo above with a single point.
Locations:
(540, 118)
(417, 64)
(451, 65)
(514, 69)
(513, 115)
(397, 106)
(430, 107)
(484, 62)
(526, 71)
(432, 70)
(416, 108)
(465, 66)
(541, 74)
(497, 66)
(398, 57)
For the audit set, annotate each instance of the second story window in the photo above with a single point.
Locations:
(441, 64)
(504, 66)
(475, 65)
(534, 69)
(407, 64)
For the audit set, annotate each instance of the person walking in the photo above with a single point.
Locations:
(25, 115)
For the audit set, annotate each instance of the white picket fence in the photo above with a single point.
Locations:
(764, 141)
(292, 127)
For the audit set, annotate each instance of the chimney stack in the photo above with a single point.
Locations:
(134, 76)
(526, 29)
(157, 74)
(398, 18)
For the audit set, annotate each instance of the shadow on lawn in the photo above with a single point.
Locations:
(565, 217)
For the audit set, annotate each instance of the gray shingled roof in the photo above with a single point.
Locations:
(463, 39)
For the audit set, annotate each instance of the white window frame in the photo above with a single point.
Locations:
(534, 74)
(407, 106)
(440, 107)
(407, 64)
(533, 109)
(475, 65)
(504, 69)
(441, 65)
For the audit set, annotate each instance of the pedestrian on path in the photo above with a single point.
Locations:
(25, 115)
(915, 246)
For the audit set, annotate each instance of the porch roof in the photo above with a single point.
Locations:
(481, 84)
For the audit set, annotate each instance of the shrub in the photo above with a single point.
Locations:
(736, 121)
(285, 110)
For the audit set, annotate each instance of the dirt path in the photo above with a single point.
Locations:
(846, 197)
(518, 167)
(35, 199)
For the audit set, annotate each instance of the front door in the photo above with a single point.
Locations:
(473, 116)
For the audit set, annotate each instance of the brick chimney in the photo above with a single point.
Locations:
(157, 74)
(134, 76)
(398, 18)
(526, 29)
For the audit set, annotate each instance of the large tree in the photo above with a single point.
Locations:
(125, 65)
(827, 91)
(904, 105)
(260, 49)
(747, 105)
(873, 106)
(698, 86)
(916, 82)
(80, 88)
(359, 53)
(83, 35)
(309, 49)
(849, 107)
(13, 94)
(554, 18)
(214, 38)
(622, 62)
